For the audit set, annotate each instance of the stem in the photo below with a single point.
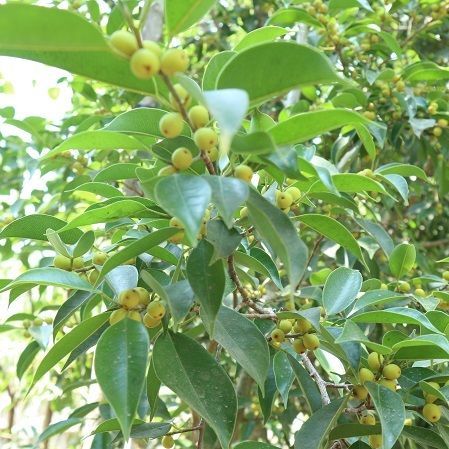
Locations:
(199, 443)
(189, 429)
(318, 379)
(129, 19)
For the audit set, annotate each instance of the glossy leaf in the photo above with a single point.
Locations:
(402, 259)
(182, 14)
(120, 367)
(283, 375)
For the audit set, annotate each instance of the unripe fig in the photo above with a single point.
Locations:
(432, 412)
(298, 346)
(443, 123)
(166, 171)
(446, 276)
(156, 309)
(117, 315)
(182, 158)
(144, 64)
(278, 336)
(62, 262)
(38, 322)
(375, 361)
(391, 384)
(404, 287)
(360, 392)
(205, 138)
(150, 322)
(284, 200)
(176, 223)
(391, 371)
(26, 324)
(144, 295)
(171, 125)
(99, 257)
(129, 299)
(294, 192)
(244, 212)
(365, 375)
(77, 263)
(302, 325)
(375, 441)
(368, 420)
(177, 238)
(420, 292)
(168, 442)
(285, 326)
(134, 315)
(199, 116)
(243, 172)
(48, 320)
(437, 131)
(174, 60)
(124, 42)
(93, 276)
(311, 342)
(152, 46)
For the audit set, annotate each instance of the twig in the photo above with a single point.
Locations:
(318, 379)
(312, 253)
(129, 19)
(190, 429)
(199, 443)
(262, 316)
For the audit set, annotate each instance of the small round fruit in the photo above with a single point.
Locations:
(420, 292)
(437, 131)
(429, 397)
(298, 346)
(294, 192)
(144, 295)
(375, 361)
(302, 325)
(174, 60)
(284, 200)
(171, 125)
(183, 95)
(387, 383)
(311, 342)
(213, 154)
(38, 322)
(129, 299)
(134, 315)
(432, 412)
(285, 326)
(182, 158)
(168, 442)
(205, 138)
(48, 320)
(360, 392)
(404, 287)
(177, 238)
(26, 324)
(156, 309)
(375, 441)
(391, 371)
(199, 116)
(117, 315)
(368, 420)
(124, 41)
(167, 171)
(93, 276)
(446, 275)
(365, 375)
(243, 172)
(144, 64)
(150, 322)
(62, 262)
(152, 46)
(99, 258)
(77, 263)
(278, 336)
(244, 212)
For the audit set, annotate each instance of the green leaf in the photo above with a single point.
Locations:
(302, 127)
(376, 297)
(354, 430)
(246, 344)
(424, 437)
(228, 194)
(403, 170)
(254, 143)
(192, 373)
(224, 240)
(185, 197)
(391, 411)
(207, 282)
(84, 244)
(333, 230)
(153, 386)
(214, 67)
(136, 248)
(259, 36)
(64, 39)
(58, 427)
(182, 14)
(423, 347)
(35, 227)
(254, 445)
(122, 278)
(306, 384)
(144, 121)
(276, 68)
(341, 289)
(228, 107)
(116, 172)
(97, 140)
(402, 259)
(26, 358)
(50, 276)
(291, 16)
(57, 243)
(396, 315)
(314, 432)
(68, 343)
(98, 188)
(283, 375)
(275, 227)
(120, 366)
(378, 233)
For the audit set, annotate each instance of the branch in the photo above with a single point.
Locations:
(199, 443)
(189, 429)
(318, 379)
